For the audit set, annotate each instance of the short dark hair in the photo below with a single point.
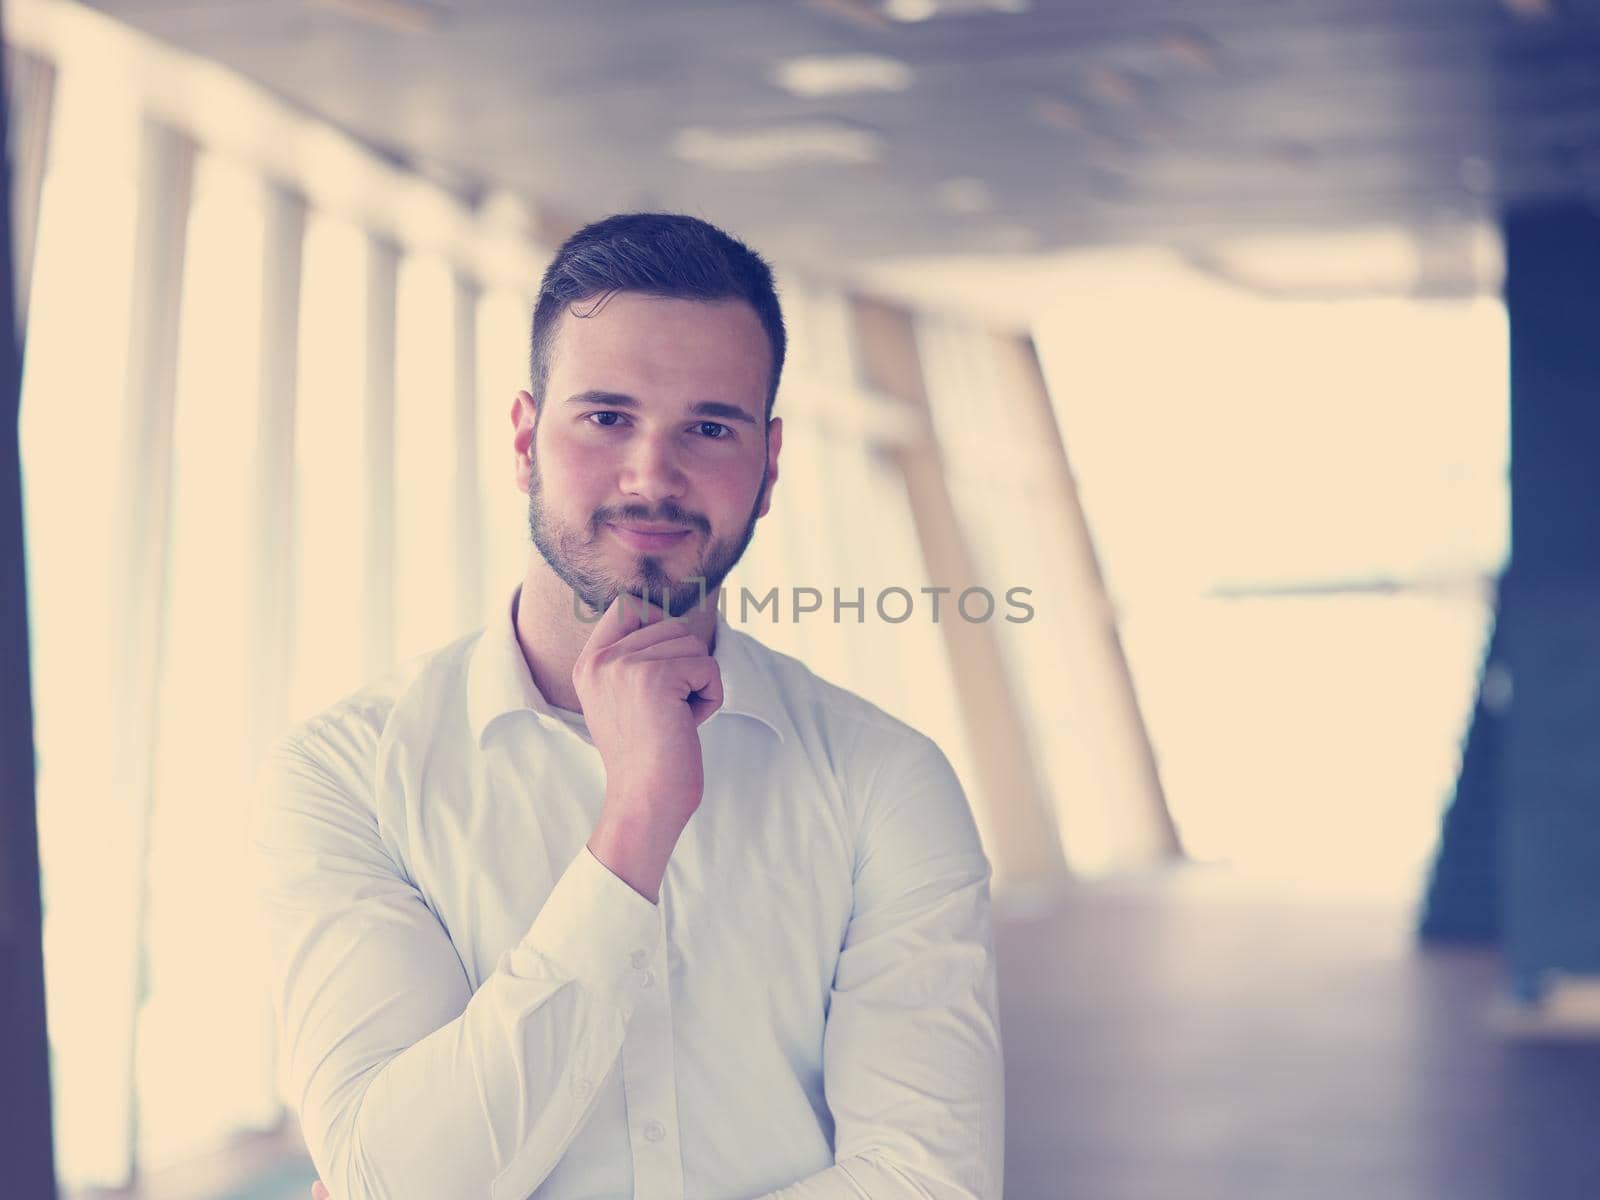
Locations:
(658, 254)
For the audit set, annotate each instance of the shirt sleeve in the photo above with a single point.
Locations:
(911, 1053)
(409, 1084)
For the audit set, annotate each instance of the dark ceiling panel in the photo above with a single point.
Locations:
(1144, 121)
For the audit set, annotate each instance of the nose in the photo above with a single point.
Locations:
(651, 471)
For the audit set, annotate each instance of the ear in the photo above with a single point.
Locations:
(774, 444)
(524, 417)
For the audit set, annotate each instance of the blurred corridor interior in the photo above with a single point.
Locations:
(1254, 477)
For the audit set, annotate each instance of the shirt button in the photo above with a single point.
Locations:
(639, 958)
(646, 979)
(655, 1131)
(581, 1088)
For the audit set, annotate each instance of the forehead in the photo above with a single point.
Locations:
(632, 342)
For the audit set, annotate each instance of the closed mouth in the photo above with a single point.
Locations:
(649, 537)
(651, 529)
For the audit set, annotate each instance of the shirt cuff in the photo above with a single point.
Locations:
(602, 932)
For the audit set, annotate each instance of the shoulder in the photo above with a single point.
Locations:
(341, 744)
(863, 740)
(912, 825)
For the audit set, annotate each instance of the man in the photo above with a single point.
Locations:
(608, 899)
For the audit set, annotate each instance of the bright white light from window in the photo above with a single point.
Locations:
(923, 10)
(1311, 739)
(204, 1058)
(425, 460)
(71, 421)
(1225, 442)
(503, 329)
(814, 75)
(330, 503)
(777, 146)
(1374, 259)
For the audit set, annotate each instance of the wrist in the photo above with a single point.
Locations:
(634, 849)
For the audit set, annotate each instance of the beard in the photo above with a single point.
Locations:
(579, 560)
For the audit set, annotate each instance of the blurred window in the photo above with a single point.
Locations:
(1301, 509)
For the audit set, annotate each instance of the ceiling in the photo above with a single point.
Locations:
(1175, 122)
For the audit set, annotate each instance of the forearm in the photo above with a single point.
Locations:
(408, 1088)
(495, 1095)
(635, 846)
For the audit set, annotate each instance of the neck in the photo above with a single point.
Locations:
(552, 634)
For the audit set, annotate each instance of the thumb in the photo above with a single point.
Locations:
(319, 1192)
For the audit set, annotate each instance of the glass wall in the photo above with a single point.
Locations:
(1301, 508)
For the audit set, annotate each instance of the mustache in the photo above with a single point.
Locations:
(667, 514)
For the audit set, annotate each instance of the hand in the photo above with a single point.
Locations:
(319, 1191)
(647, 683)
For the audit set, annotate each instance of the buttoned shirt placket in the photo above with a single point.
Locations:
(647, 1076)
(648, 1083)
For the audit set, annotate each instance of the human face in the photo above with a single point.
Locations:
(650, 460)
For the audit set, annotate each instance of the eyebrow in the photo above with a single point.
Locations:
(704, 408)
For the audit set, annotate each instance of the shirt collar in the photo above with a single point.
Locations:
(499, 682)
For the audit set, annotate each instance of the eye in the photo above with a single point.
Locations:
(714, 430)
(603, 424)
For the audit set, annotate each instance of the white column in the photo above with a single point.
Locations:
(1104, 705)
(1018, 829)
(273, 567)
(273, 587)
(468, 515)
(144, 473)
(383, 271)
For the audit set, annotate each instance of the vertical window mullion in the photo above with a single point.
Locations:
(466, 518)
(274, 589)
(383, 270)
(30, 96)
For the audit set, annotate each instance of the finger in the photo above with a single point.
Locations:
(685, 645)
(707, 698)
(698, 681)
(663, 630)
(319, 1192)
(625, 614)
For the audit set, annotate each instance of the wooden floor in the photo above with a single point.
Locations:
(1190, 1038)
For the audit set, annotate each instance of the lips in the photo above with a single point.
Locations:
(648, 537)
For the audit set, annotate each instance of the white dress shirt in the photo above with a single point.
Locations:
(469, 1004)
